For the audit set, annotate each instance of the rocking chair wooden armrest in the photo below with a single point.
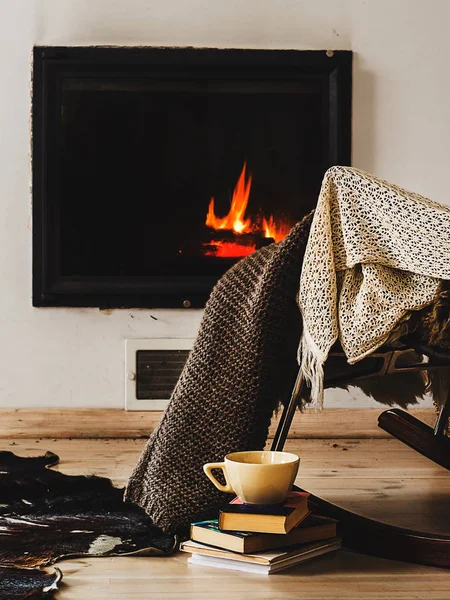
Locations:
(367, 535)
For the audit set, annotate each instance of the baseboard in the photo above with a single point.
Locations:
(117, 423)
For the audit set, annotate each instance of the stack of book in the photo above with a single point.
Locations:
(262, 539)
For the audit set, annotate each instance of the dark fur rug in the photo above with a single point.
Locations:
(47, 516)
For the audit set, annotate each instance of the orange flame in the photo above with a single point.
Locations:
(234, 220)
(276, 231)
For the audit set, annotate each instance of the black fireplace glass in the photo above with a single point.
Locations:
(130, 145)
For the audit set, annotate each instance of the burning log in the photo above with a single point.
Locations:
(243, 239)
(227, 244)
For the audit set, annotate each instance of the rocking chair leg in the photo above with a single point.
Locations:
(288, 414)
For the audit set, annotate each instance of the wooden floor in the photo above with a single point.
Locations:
(379, 478)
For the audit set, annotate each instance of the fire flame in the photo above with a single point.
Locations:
(236, 222)
(276, 231)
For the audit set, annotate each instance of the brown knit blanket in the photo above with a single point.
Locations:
(241, 366)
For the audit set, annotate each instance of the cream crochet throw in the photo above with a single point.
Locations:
(374, 253)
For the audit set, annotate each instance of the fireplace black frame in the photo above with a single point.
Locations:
(52, 64)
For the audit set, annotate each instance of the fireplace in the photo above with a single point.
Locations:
(156, 169)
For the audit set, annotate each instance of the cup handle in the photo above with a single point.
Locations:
(219, 465)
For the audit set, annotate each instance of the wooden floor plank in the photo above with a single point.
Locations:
(88, 423)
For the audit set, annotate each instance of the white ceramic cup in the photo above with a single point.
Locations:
(257, 477)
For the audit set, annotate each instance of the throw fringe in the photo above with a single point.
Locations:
(311, 362)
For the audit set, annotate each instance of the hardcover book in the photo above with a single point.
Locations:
(310, 529)
(278, 519)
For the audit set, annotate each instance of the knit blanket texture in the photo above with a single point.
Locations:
(375, 253)
(242, 364)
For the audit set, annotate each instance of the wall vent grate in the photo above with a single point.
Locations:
(157, 372)
(152, 369)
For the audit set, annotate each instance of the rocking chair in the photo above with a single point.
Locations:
(366, 535)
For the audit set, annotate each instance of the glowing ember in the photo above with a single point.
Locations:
(236, 223)
(230, 250)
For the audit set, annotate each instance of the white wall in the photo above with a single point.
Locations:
(401, 131)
